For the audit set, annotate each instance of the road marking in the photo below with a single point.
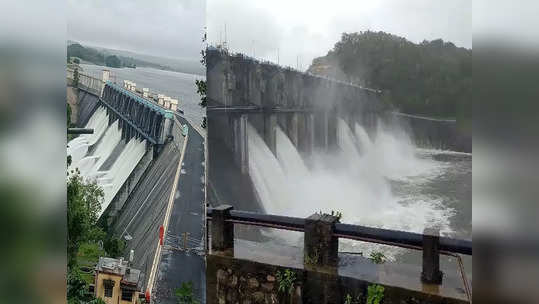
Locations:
(157, 256)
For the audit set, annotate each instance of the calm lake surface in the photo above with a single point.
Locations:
(174, 84)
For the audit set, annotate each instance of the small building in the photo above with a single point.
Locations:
(116, 282)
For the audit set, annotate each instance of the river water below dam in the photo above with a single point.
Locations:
(377, 179)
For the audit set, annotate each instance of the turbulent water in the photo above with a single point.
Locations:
(379, 181)
(90, 151)
(173, 84)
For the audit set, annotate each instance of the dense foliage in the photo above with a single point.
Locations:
(83, 206)
(185, 294)
(86, 240)
(77, 52)
(86, 54)
(113, 61)
(432, 78)
(201, 84)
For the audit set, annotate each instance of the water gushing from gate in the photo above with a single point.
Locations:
(354, 180)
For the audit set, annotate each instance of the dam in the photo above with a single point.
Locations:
(150, 161)
(283, 143)
(128, 133)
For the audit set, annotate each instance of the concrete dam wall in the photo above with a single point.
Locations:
(129, 133)
(139, 219)
(303, 105)
(244, 93)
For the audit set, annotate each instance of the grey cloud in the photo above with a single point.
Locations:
(299, 33)
(248, 28)
(158, 27)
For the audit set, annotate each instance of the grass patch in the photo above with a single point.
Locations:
(87, 257)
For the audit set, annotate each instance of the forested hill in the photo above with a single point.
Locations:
(433, 78)
(120, 58)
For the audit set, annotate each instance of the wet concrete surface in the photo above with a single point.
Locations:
(178, 264)
(139, 220)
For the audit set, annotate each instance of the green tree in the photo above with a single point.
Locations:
(201, 90)
(431, 78)
(83, 206)
(201, 84)
(97, 301)
(114, 246)
(76, 77)
(184, 294)
(68, 115)
(84, 53)
(76, 287)
(113, 61)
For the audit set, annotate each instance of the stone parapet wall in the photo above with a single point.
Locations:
(233, 280)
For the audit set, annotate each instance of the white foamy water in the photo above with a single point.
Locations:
(122, 167)
(104, 148)
(90, 151)
(354, 181)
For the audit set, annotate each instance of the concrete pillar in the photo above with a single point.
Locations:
(309, 133)
(105, 78)
(321, 247)
(292, 128)
(166, 130)
(244, 146)
(431, 257)
(282, 121)
(106, 75)
(270, 125)
(305, 133)
(240, 142)
(145, 92)
(222, 232)
(174, 104)
(166, 102)
(161, 99)
(321, 130)
(332, 130)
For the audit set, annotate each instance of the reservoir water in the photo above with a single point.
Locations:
(174, 84)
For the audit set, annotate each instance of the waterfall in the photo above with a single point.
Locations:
(90, 151)
(288, 156)
(98, 122)
(121, 169)
(266, 173)
(110, 140)
(354, 180)
(347, 141)
(364, 141)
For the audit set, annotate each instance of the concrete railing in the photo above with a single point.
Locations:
(87, 82)
(322, 232)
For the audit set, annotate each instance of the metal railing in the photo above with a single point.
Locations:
(354, 232)
(87, 82)
(224, 217)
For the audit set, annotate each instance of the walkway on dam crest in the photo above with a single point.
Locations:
(178, 264)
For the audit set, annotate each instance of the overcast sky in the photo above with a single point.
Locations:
(310, 28)
(169, 28)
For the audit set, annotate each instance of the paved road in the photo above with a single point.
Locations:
(177, 264)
